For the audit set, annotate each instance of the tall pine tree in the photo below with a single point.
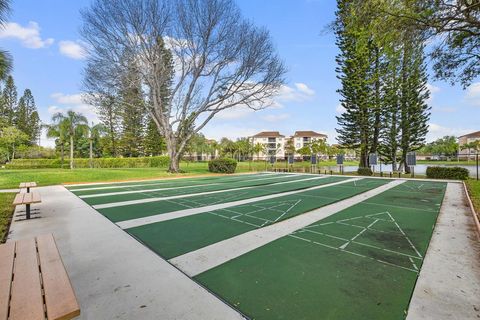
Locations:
(8, 106)
(26, 118)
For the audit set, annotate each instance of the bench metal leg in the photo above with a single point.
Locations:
(28, 211)
(28, 189)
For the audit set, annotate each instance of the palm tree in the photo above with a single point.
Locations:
(5, 58)
(95, 131)
(55, 131)
(71, 126)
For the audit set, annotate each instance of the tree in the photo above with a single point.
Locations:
(70, 126)
(290, 147)
(8, 103)
(110, 114)
(154, 143)
(221, 60)
(447, 146)
(5, 58)
(10, 139)
(26, 118)
(95, 132)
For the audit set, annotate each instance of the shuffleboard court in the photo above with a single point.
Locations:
(178, 236)
(140, 210)
(104, 198)
(360, 263)
(166, 183)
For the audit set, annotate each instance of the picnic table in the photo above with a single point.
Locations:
(28, 185)
(27, 199)
(34, 283)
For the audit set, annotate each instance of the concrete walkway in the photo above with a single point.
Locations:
(114, 276)
(449, 283)
(201, 260)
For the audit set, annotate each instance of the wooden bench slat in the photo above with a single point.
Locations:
(7, 255)
(22, 185)
(60, 298)
(36, 197)
(18, 199)
(27, 300)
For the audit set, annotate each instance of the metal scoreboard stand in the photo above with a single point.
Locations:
(340, 159)
(290, 162)
(412, 161)
(313, 160)
(372, 160)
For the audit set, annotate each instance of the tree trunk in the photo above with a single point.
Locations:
(71, 152)
(91, 153)
(62, 151)
(13, 152)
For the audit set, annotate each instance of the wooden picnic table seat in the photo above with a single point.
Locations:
(27, 199)
(28, 185)
(34, 283)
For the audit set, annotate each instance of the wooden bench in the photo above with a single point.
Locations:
(27, 185)
(34, 283)
(27, 199)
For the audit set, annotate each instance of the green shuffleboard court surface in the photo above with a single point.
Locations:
(183, 190)
(139, 210)
(175, 237)
(360, 263)
(165, 183)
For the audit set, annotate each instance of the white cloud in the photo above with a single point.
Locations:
(340, 109)
(433, 90)
(67, 98)
(436, 131)
(473, 94)
(28, 35)
(234, 113)
(72, 49)
(302, 87)
(276, 117)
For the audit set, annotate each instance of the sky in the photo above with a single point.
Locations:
(43, 38)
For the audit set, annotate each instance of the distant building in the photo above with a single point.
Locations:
(275, 142)
(465, 139)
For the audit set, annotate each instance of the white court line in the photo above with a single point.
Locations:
(142, 191)
(133, 202)
(206, 258)
(188, 212)
(171, 188)
(160, 182)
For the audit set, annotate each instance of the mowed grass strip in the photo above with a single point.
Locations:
(177, 191)
(140, 210)
(359, 263)
(101, 188)
(178, 236)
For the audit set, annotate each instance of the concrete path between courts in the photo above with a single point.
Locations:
(448, 286)
(201, 260)
(114, 276)
(188, 212)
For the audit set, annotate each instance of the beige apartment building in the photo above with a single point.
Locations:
(468, 138)
(275, 142)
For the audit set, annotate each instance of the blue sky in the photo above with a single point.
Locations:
(43, 38)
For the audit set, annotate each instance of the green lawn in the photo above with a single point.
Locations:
(474, 191)
(6, 211)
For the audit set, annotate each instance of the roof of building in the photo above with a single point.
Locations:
(471, 135)
(267, 134)
(308, 134)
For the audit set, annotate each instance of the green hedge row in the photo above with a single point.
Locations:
(222, 165)
(143, 162)
(457, 173)
(364, 172)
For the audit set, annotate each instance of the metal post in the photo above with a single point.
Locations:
(27, 211)
(477, 166)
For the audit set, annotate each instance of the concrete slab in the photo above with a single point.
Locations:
(201, 260)
(448, 286)
(114, 276)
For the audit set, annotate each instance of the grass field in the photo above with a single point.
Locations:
(361, 262)
(474, 191)
(6, 212)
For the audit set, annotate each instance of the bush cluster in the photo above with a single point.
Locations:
(222, 165)
(141, 162)
(457, 173)
(364, 172)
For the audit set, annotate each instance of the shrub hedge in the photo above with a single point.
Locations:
(222, 165)
(364, 172)
(141, 162)
(457, 173)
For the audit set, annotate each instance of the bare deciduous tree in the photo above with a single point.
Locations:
(195, 58)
